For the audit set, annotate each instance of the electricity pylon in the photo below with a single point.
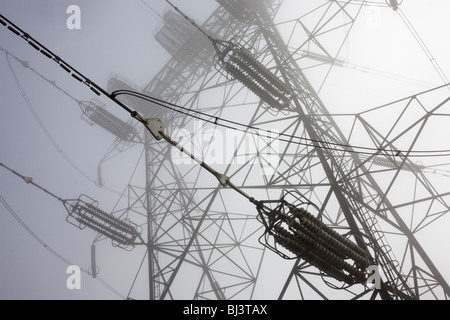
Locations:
(204, 242)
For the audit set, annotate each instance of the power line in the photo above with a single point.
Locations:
(151, 8)
(26, 65)
(310, 142)
(83, 212)
(50, 249)
(42, 125)
(269, 134)
(38, 119)
(68, 68)
(29, 180)
(74, 73)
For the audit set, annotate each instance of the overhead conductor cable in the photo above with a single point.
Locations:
(290, 227)
(83, 212)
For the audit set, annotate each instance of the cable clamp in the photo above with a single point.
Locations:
(155, 127)
(28, 179)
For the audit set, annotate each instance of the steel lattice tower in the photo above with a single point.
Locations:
(203, 239)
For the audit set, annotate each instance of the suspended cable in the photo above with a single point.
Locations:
(151, 9)
(191, 21)
(83, 212)
(26, 65)
(65, 66)
(297, 240)
(42, 125)
(237, 58)
(312, 143)
(68, 68)
(50, 249)
(388, 75)
(38, 119)
(305, 235)
(347, 64)
(29, 180)
(269, 134)
(93, 112)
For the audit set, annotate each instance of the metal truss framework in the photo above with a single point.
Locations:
(203, 239)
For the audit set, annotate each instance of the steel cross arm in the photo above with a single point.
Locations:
(173, 78)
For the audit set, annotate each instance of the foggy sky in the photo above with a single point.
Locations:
(117, 37)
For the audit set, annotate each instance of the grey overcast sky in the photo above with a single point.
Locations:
(384, 63)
